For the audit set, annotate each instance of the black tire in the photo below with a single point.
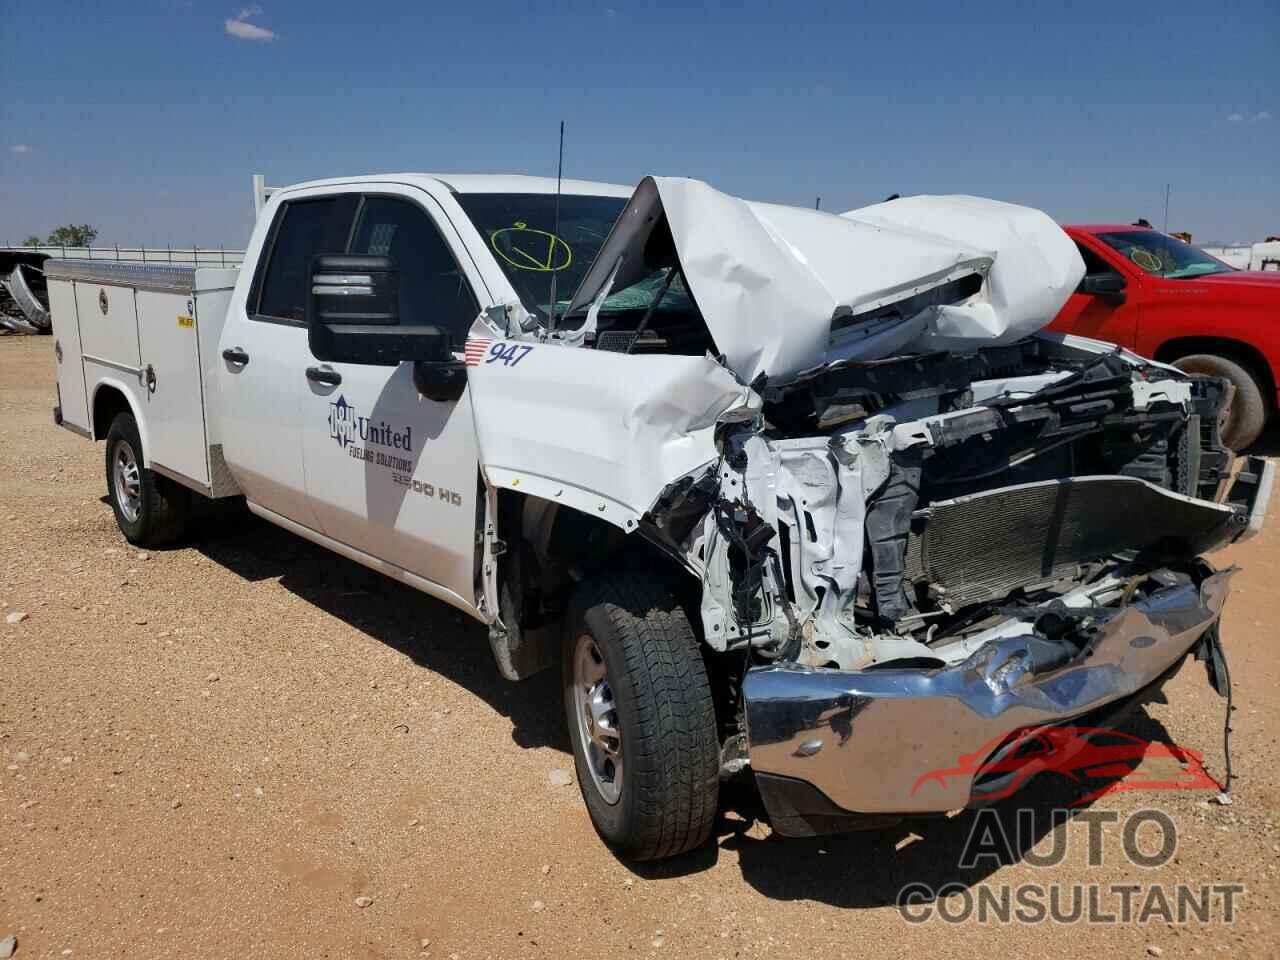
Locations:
(161, 506)
(665, 715)
(1247, 416)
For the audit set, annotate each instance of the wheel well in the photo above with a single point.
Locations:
(107, 402)
(1247, 355)
(547, 548)
(560, 545)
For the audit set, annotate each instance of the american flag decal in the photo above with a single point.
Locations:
(476, 349)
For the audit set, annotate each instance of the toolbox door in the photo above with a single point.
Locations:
(108, 324)
(66, 350)
(171, 373)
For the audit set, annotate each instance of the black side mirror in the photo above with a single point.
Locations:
(440, 380)
(353, 315)
(1109, 285)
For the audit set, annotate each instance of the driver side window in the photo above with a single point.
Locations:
(1094, 265)
(433, 289)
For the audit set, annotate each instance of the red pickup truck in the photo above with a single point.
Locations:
(1170, 301)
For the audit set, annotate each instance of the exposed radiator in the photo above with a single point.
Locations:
(980, 547)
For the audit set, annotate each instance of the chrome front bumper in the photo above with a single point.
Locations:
(863, 739)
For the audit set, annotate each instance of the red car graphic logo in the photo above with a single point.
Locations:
(1079, 753)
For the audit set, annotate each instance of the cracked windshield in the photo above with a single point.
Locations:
(520, 229)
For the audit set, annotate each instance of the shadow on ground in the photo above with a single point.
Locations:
(855, 870)
(431, 633)
(868, 869)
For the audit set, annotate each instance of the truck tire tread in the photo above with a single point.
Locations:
(672, 755)
(165, 504)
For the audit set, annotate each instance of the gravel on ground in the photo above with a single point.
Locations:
(249, 747)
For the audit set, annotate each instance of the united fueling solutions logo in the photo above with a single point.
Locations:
(349, 430)
(342, 422)
(382, 445)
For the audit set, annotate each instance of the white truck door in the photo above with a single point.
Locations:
(264, 355)
(388, 471)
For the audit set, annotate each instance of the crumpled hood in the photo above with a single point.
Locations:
(771, 279)
(1035, 265)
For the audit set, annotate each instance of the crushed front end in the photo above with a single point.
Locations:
(917, 521)
(919, 555)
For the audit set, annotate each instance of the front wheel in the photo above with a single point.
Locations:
(150, 510)
(641, 717)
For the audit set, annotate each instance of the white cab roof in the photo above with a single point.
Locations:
(480, 183)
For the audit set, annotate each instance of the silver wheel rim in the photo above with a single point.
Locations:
(128, 477)
(597, 716)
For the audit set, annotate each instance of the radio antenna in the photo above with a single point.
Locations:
(555, 235)
(1168, 187)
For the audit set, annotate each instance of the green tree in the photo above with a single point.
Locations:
(73, 235)
(32, 241)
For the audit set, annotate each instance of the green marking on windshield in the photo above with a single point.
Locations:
(539, 251)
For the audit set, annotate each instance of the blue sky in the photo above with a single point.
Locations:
(146, 118)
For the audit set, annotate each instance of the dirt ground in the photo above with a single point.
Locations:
(213, 751)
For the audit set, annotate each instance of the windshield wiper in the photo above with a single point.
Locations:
(648, 314)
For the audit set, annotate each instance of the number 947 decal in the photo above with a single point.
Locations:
(508, 354)
(483, 350)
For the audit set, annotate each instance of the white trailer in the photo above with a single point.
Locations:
(1264, 255)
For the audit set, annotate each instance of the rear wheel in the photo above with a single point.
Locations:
(641, 717)
(1244, 419)
(150, 510)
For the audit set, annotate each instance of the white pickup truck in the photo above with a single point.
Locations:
(789, 495)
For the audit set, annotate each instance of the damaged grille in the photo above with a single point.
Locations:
(981, 547)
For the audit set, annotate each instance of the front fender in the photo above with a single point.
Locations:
(599, 431)
(1254, 329)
